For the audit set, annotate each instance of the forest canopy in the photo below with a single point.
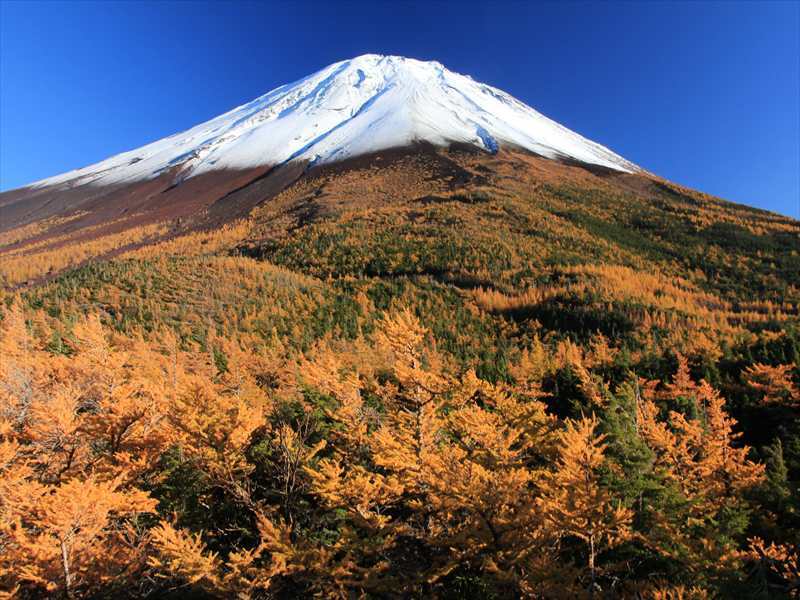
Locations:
(447, 375)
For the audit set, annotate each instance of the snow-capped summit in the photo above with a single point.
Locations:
(350, 108)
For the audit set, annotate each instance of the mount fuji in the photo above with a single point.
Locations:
(350, 108)
(353, 110)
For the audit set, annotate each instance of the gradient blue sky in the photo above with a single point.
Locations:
(705, 94)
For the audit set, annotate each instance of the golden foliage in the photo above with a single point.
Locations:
(475, 476)
(26, 266)
(195, 243)
(699, 457)
(249, 436)
(774, 384)
(777, 559)
(75, 434)
(574, 503)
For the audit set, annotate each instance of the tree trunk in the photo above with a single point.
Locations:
(591, 566)
(67, 575)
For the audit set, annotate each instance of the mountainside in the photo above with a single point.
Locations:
(387, 332)
(352, 108)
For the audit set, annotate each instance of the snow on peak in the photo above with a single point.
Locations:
(365, 104)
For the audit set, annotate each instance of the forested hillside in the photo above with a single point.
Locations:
(438, 373)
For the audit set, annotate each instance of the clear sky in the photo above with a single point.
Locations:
(704, 94)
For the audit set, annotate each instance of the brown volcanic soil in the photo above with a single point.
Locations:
(156, 200)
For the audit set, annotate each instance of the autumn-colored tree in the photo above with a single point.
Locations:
(77, 538)
(457, 452)
(777, 566)
(183, 557)
(399, 446)
(773, 384)
(699, 458)
(574, 501)
(216, 419)
(480, 483)
(68, 506)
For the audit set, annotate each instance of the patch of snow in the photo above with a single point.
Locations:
(353, 107)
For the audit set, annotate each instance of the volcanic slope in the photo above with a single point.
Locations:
(218, 170)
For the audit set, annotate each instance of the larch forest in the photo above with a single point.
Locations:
(435, 374)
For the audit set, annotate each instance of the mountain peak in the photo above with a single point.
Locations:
(353, 107)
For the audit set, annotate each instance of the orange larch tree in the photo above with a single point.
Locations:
(774, 384)
(698, 457)
(68, 504)
(574, 501)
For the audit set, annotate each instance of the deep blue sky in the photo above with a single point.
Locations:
(705, 94)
